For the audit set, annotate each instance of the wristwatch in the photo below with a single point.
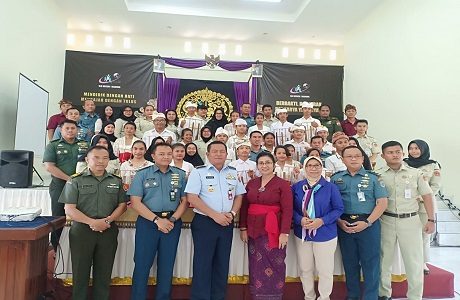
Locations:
(233, 214)
(156, 219)
(431, 220)
(172, 219)
(369, 223)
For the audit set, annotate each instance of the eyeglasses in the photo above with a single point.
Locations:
(265, 163)
(353, 156)
(314, 166)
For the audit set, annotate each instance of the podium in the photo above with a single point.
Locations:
(24, 256)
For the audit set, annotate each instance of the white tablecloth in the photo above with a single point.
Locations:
(124, 264)
(26, 198)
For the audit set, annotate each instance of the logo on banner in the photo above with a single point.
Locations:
(300, 89)
(109, 80)
(208, 97)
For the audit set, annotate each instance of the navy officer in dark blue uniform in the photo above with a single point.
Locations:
(216, 193)
(157, 194)
(365, 200)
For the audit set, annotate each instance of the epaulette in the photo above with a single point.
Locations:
(372, 172)
(116, 176)
(338, 172)
(200, 167)
(143, 168)
(76, 175)
(232, 168)
(174, 168)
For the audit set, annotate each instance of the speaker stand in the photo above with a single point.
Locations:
(42, 183)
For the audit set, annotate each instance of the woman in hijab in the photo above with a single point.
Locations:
(202, 143)
(126, 115)
(218, 120)
(419, 158)
(192, 156)
(108, 129)
(106, 116)
(148, 153)
(101, 140)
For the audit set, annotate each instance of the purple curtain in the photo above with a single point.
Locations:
(170, 92)
(253, 96)
(193, 64)
(160, 88)
(241, 93)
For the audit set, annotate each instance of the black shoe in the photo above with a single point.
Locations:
(426, 271)
(384, 298)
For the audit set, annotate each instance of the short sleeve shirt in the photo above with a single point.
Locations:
(64, 154)
(95, 197)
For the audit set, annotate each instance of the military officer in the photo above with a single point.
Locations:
(331, 123)
(365, 199)
(400, 222)
(60, 159)
(93, 200)
(216, 194)
(157, 194)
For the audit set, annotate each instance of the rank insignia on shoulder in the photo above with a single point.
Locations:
(200, 167)
(76, 175)
(230, 167)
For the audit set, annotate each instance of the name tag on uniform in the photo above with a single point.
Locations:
(408, 193)
(361, 196)
(231, 193)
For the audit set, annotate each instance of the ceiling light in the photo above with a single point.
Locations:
(333, 54)
(188, 47)
(205, 48)
(126, 42)
(108, 41)
(238, 50)
(301, 53)
(271, 1)
(317, 54)
(221, 50)
(285, 52)
(71, 39)
(89, 40)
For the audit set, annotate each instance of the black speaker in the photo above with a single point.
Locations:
(16, 168)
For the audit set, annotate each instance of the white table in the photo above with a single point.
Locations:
(124, 264)
(26, 198)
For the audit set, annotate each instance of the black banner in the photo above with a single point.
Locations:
(287, 86)
(108, 79)
(214, 94)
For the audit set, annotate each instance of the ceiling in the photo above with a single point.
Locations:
(321, 22)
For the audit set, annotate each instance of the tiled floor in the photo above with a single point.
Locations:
(448, 258)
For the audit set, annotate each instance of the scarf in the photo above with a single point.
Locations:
(308, 207)
(424, 158)
(201, 134)
(195, 159)
(111, 137)
(125, 118)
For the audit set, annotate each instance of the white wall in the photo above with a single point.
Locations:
(33, 43)
(402, 71)
(174, 47)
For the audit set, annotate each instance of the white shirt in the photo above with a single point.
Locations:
(127, 170)
(230, 127)
(120, 145)
(328, 147)
(186, 166)
(194, 123)
(282, 132)
(287, 173)
(235, 140)
(300, 148)
(334, 163)
(244, 169)
(151, 134)
(310, 131)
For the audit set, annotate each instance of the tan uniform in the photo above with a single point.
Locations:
(432, 174)
(369, 144)
(404, 187)
(142, 126)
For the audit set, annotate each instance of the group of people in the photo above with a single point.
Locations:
(317, 174)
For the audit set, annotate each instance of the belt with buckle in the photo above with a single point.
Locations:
(400, 216)
(354, 217)
(164, 214)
